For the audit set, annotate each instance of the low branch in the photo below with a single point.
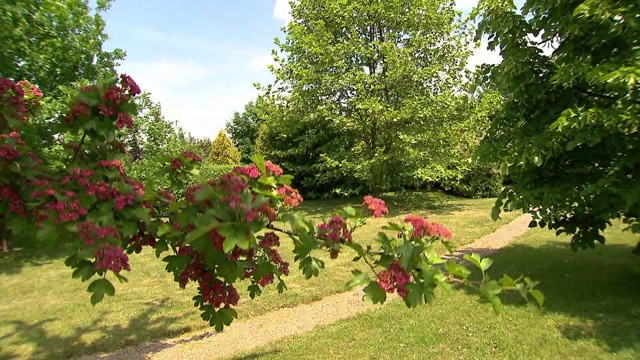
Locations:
(275, 228)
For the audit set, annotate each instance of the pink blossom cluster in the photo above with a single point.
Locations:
(292, 197)
(336, 231)
(422, 227)
(273, 168)
(16, 204)
(376, 206)
(250, 171)
(112, 164)
(12, 98)
(216, 293)
(89, 231)
(394, 278)
(113, 97)
(112, 258)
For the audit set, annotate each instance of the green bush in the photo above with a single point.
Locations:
(480, 182)
(209, 171)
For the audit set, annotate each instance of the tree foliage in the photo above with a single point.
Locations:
(361, 83)
(223, 152)
(151, 141)
(54, 43)
(567, 134)
(244, 129)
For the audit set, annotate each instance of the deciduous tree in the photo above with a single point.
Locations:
(568, 134)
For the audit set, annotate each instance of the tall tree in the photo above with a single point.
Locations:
(372, 77)
(568, 133)
(244, 128)
(223, 152)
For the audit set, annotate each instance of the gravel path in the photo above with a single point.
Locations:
(243, 336)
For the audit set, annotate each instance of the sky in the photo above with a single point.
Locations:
(200, 58)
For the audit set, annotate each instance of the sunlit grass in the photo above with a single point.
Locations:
(592, 312)
(44, 313)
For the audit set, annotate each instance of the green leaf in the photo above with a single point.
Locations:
(474, 259)
(456, 269)
(281, 287)
(506, 281)
(143, 214)
(311, 266)
(203, 225)
(85, 270)
(360, 278)
(285, 179)
(349, 211)
(538, 296)
(490, 288)
(374, 293)
(414, 295)
(96, 297)
(486, 264)
(393, 227)
(99, 288)
(495, 213)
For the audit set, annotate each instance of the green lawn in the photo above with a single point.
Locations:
(592, 312)
(46, 314)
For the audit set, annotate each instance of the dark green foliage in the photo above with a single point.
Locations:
(244, 128)
(567, 135)
(480, 182)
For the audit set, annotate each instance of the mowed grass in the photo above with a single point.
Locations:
(592, 311)
(44, 313)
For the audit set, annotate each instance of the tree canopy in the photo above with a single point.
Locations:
(567, 135)
(361, 84)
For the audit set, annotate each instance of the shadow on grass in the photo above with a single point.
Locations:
(31, 254)
(599, 289)
(399, 203)
(48, 344)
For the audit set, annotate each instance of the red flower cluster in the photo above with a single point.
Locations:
(124, 119)
(29, 89)
(336, 231)
(192, 156)
(292, 197)
(129, 85)
(269, 239)
(216, 293)
(16, 204)
(112, 258)
(142, 239)
(12, 98)
(112, 97)
(79, 111)
(89, 231)
(112, 164)
(273, 168)
(251, 171)
(422, 227)
(377, 206)
(394, 278)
